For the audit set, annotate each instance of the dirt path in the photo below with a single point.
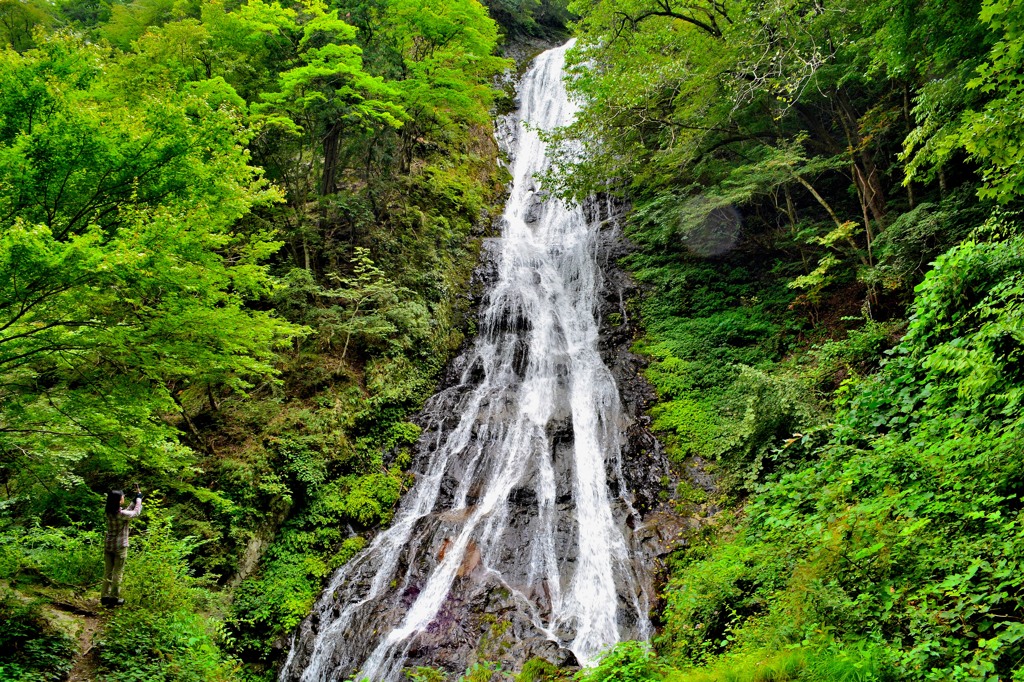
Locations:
(84, 667)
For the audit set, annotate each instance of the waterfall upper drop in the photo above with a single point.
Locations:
(518, 526)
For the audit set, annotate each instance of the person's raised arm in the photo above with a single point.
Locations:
(136, 507)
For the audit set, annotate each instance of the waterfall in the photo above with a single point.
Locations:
(519, 505)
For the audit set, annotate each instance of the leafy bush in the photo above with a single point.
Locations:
(310, 546)
(713, 331)
(65, 557)
(160, 633)
(741, 422)
(857, 355)
(367, 310)
(917, 237)
(175, 646)
(31, 648)
(626, 662)
(708, 599)
(426, 674)
(539, 670)
(830, 663)
(901, 532)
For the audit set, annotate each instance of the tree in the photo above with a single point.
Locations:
(122, 281)
(329, 93)
(18, 19)
(993, 134)
(447, 66)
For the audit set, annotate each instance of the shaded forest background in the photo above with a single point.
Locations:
(235, 254)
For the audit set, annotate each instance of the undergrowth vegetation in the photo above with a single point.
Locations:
(31, 648)
(889, 545)
(826, 216)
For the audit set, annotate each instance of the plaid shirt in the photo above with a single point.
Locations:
(117, 526)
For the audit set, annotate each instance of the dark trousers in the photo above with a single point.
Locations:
(113, 571)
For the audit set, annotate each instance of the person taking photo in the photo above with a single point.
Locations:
(115, 545)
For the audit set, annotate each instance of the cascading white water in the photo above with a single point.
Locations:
(535, 363)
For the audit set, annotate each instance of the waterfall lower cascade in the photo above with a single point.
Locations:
(515, 540)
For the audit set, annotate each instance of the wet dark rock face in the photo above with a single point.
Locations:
(644, 464)
(481, 620)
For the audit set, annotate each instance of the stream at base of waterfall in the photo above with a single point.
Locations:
(517, 532)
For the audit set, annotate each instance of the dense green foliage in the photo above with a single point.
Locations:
(234, 239)
(163, 633)
(826, 213)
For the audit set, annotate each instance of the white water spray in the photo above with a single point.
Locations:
(534, 364)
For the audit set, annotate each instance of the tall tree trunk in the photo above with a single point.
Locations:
(793, 219)
(328, 179)
(866, 172)
(828, 208)
(910, 127)
(869, 234)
